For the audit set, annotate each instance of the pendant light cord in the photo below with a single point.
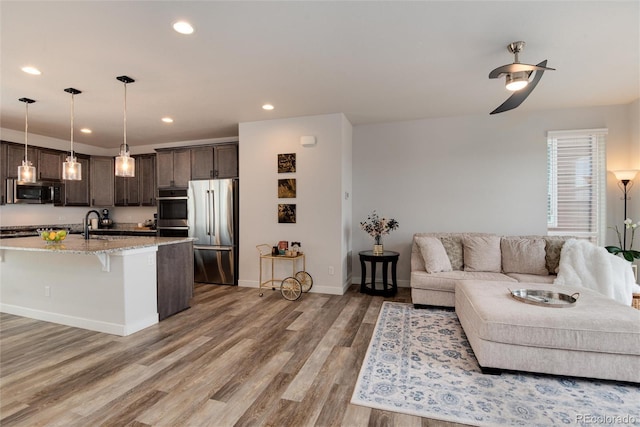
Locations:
(72, 95)
(26, 130)
(126, 148)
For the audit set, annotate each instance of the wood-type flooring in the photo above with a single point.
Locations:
(232, 359)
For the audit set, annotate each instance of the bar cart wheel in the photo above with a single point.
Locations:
(290, 288)
(305, 280)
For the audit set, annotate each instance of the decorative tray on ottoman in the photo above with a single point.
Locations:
(545, 298)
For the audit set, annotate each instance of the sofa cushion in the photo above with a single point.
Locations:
(525, 256)
(453, 247)
(482, 253)
(446, 280)
(532, 278)
(434, 255)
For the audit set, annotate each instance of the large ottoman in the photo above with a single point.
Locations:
(596, 338)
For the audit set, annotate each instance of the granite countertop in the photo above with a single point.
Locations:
(76, 244)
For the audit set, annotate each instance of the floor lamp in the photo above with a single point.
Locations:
(625, 182)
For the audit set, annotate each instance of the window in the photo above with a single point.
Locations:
(576, 183)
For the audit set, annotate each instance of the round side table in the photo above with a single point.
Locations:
(385, 258)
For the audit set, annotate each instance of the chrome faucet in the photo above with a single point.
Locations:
(86, 222)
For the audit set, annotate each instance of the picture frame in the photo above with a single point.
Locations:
(287, 188)
(287, 163)
(286, 213)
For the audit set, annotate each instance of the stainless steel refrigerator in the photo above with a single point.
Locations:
(212, 216)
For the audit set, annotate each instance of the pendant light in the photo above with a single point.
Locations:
(26, 172)
(71, 169)
(125, 164)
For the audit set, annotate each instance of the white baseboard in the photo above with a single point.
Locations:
(79, 322)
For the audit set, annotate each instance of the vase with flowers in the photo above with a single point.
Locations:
(377, 227)
(628, 254)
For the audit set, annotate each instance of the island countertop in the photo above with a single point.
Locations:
(76, 244)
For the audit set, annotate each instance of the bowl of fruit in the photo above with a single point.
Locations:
(53, 236)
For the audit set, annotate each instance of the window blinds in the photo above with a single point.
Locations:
(576, 175)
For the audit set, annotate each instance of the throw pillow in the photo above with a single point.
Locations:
(434, 255)
(482, 253)
(526, 256)
(453, 247)
(553, 249)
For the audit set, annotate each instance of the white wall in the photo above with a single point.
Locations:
(474, 173)
(322, 174)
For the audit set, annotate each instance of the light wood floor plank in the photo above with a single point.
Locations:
(234, 358)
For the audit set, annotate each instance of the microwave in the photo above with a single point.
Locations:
(19, 192)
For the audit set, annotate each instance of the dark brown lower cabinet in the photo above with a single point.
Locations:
(175, 278)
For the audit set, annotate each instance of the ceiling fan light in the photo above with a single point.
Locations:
(517, 81)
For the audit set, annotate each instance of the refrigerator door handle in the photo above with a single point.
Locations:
(208, 220)
(215, 214)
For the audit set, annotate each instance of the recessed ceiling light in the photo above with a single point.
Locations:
(86, 130)
(268, 107)
(167, 119)
(183, 27)
(31, 70)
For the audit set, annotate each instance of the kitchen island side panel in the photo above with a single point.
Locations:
(175, 278)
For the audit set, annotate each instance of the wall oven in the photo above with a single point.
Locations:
(172, 212)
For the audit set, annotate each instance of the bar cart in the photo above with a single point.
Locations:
(291, 287)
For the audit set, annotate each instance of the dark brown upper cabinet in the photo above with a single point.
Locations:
(214, 161)
(174, 168)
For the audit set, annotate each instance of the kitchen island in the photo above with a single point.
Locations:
(111, 284)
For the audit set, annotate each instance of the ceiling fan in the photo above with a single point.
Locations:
(518, 78)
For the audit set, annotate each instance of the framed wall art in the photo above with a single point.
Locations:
(286, 163)
(286, 213)
(287, 188)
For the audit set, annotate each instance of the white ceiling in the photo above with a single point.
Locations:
(373, 61)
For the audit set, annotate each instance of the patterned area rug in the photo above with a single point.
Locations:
(419, 362)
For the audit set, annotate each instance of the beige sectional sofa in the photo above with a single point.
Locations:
(473, 272)
(440, 260)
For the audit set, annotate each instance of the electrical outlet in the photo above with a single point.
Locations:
(47, 291)
(331, 271)
(151, 260)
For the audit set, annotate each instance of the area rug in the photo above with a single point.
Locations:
(419, 362)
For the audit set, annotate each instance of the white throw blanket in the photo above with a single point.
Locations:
(584, 264)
